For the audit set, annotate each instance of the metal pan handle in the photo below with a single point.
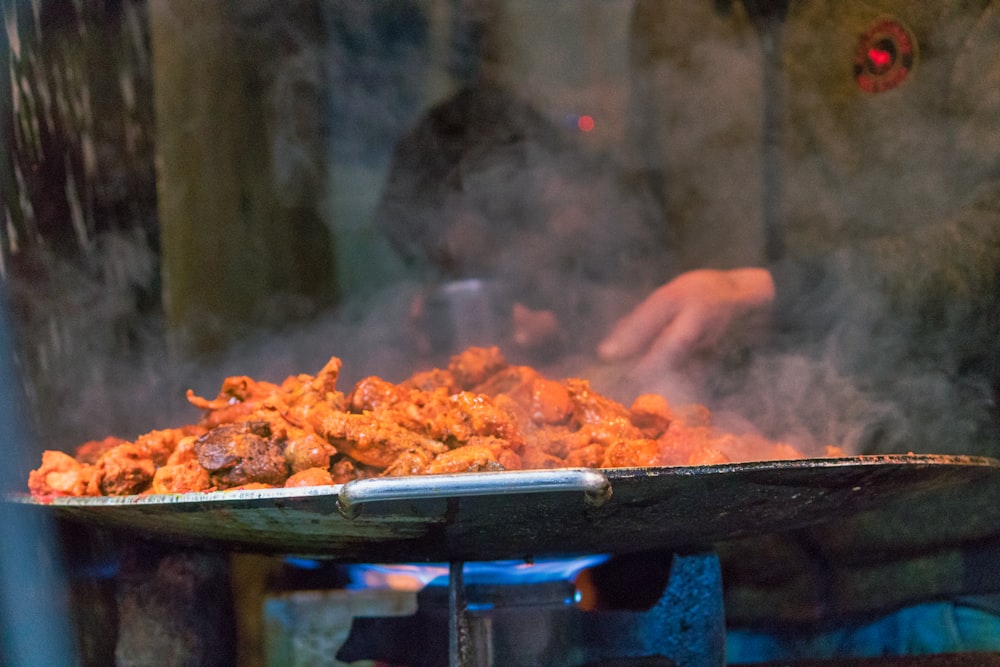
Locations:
(592, 483)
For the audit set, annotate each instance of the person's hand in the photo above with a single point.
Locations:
(690, 317)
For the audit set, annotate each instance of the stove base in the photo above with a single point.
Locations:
(685, 628)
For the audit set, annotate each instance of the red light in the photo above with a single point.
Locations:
(885, 55)
(879, 58)
(585, 123)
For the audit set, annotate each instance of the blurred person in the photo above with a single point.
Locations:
(815, 189)
(830, 175)
(489, 202)
(831, 168)
(519, 233)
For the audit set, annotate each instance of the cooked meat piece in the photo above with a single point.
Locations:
(695, 415)
(308, 451)
(550, 402)
(326, 379)
(829, 451)
(159, 445)
(343, 471)
(475, 365)
(602, 419)
(472, 414)
(90, 451)
(777, 451)
(310, 477)
(435, 378)
(471, 458)
(509, 459)
(304, 390)
(367, 439)
(250, 486)
(123, 471)
(416, 411)
(516, 382)
(373, 392)
(59, 475)
(181, 478)
(410, 462)
(501, 450)
(651, 414)
(680, 441)
(707, 455)
(450, 419)
(591, 456)
(753, 447)
(590, 407)
(520, 413)
(242, 454)
(184, 451)
(604, 433)
(556, 441)
(629, 453)
(536, 459)
(238, 397)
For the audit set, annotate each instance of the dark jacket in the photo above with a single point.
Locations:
(853, 147)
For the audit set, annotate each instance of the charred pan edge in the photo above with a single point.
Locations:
(587, 480)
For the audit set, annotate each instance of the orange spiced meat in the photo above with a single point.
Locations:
(478, 414)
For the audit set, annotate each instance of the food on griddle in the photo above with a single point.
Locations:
(244, 453)
(478, 414)
(60, 475)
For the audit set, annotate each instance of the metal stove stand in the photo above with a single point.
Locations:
(535, 625)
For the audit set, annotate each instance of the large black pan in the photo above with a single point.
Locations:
(538, 513)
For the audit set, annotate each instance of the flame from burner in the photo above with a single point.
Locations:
(413, 576)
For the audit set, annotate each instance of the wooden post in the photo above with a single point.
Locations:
(239, 99)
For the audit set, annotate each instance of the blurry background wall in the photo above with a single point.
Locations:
(179, 178)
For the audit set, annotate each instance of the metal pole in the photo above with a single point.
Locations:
(34, 616)
(459, 639)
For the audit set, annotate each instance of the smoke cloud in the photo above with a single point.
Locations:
(477, 180)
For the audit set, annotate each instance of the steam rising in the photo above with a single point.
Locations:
(486, 186)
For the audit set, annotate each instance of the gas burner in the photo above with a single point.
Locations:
(508, 572)
(539, 623)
